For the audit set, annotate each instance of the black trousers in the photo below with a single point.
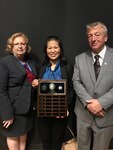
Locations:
(52, 131)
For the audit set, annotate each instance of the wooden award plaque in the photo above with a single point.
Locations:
(52, 98)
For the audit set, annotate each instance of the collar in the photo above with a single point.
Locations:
(101, 54)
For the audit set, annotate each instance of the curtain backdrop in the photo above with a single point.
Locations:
(64, 18)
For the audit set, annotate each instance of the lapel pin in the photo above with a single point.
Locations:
(105, 63)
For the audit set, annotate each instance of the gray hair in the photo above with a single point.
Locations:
(95, 25)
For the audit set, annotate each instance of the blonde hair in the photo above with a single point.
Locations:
(10, 42)
(95, 25)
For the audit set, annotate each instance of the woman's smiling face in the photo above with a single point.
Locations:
(53, 50)
(19, 47)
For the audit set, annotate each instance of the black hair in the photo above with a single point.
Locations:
(61, 57)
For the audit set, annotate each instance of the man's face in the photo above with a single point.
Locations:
(96, 39)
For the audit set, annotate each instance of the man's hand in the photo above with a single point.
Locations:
(95, 107)
(101, 113)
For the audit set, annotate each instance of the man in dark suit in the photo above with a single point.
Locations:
(93, 83)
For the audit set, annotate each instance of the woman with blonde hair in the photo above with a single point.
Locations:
(16, 100)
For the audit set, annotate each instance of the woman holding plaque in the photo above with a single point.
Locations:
(54, 67)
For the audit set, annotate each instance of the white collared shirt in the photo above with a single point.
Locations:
(101, 54)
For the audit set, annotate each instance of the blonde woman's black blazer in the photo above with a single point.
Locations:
(15, 90)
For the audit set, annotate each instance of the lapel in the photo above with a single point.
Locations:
(32, 66)
(107, 59)
(63, 71)
(20, 67)
(42, 70)
(17, 63)
(90, 65)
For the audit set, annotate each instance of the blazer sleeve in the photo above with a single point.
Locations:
(71, 93)
(6, 108)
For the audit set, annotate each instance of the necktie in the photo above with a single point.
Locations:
(30, 75)
(97, 65)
